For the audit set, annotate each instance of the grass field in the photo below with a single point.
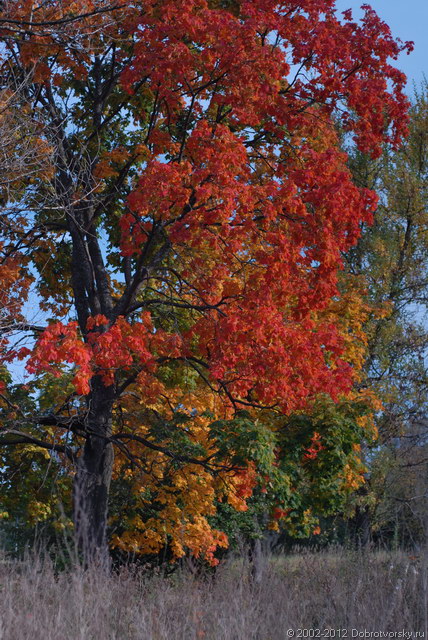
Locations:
(323, 591)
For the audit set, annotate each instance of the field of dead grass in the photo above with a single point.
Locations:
(320, 591)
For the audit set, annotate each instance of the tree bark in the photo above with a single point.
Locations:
(92, 481)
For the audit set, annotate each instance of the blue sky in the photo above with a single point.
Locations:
(408, 20)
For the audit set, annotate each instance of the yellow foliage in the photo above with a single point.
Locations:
(39, 511)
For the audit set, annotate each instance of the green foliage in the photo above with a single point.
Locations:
(247, 439)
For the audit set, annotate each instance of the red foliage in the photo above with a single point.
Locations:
(312, 452)
(244, 176)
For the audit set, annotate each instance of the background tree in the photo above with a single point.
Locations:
(391, 259)
(193, 228)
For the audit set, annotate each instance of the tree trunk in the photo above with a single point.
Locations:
(256, 560)
(362, 522)
(93, 477)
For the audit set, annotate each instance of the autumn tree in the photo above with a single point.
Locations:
(391, 259)
(187, 246)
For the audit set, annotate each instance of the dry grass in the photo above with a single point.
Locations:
(380, 592)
